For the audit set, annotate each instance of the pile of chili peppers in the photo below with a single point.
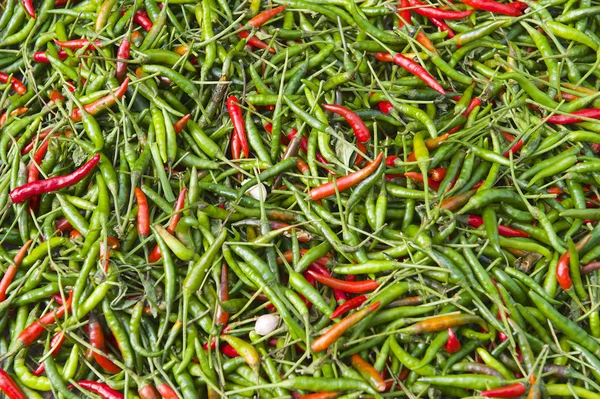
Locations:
(299, 199)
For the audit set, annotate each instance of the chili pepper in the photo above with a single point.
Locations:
(99, 388)
(37, 328)
(29, 8)
(349, 305)
(509, 391)
(360, 129)
(142, 20)
(345, 182)
(476, 221)
(355, 287)
(369, 373)
(56, 343)
(15, 83)
(239, 131)
(418, 71)
(9, 387)
(422, 9)
(11, 271)
(593, 113)
(336, 331)
(97, 341)
(101, 104)
(453, 344)
(143, 217)
(265, 16)
(26, 191)
(77, 43)
(122, 54)
(253, 41)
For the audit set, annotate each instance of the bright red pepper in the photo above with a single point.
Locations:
(345, 182)
(356, 123)
(508, 391)
(33, 331)
(148, 392)
(99, 388)
(77, 43)
(10, 387)
(453, 344)
(239, 130)
(254, 41)
(103, 103)
(28, 190)
(441, 25)
(519, 5)
(515, 147)
(419, 177)
(11, 270)
(122, 54)
(593, 113)
(359, 158)
(438, 174)
(385, 106)
(229, 351)
(265, 16)
(419, 72)
(40, 56)
(404, 13)
(476, 221)
(97, 341)
(493, 6)
(29, 8)
(15, 83)
(181, 123)
(33, 172)
(55, 344)
(166, 392)
(142, 20)
(339, 295)
(354, 287)
(143, 216)
(562, 271)
(426, 11)
(348, 306)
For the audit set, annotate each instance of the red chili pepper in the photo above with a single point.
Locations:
(29, 8)
(391, 160)
(221, 316)
(33, 331)
(441, 25)
(103, 103)
(453, 344)
(359, 158)
(40, 56)
(265, 16)
(63, 225)
(320, 395)
(99, 388)
(515, 147)
(181, 123)
(28, 190)
(155, 255)
(475, 102)
(493, 6)
(339, 295)
(16, 112)
(355, 287)
(122, 54)
(385, 106)
(55, 96)
(143, 216)
(15, 83)
(229, 351)
(254, 41)
(562, 271)
(356, 123)
(166, 392)
(11, 270)
(77, 43)
(345, 182)
(555, 191)
(476, 221)
(438, 174)
(148, 392)
(593, 113)
(97, 342)
(384, 57)
(55, 344)
(368, 372)
(9, 387)
(419, 177)
(419, 72)
(236, 150)
(426, 11)
(288, 256)
(509, 391)
(348, 306)
(404, 13)
(519, 5)
(239, 130)
(142, 20)
(33, 172)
